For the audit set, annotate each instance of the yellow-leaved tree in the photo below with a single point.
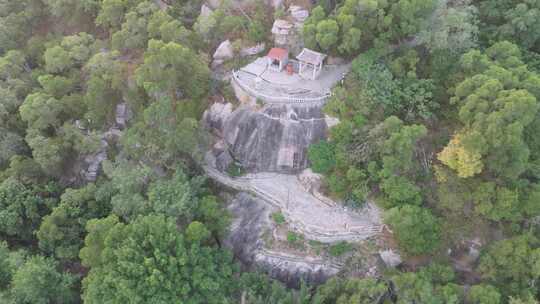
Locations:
(467, 163)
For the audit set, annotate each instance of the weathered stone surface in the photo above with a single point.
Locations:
(390, 258)
(122, 115)
(298, 13)
(251, 219)
(282, 31)
(275, 138)
(331, 60)
(216, 115)
(224, 160)
(224, 51)
(205, 11)
(276, 3)
(331, 121)
(253, 50)
(216, 63)
(214, 3)
(310, 180)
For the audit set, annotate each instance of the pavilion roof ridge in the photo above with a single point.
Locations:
(311, 56)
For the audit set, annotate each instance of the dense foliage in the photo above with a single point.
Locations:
(439, 124)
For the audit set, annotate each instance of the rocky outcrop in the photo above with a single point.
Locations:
(298, 13)
(216, 115)
(253, 50)
(224, 51)
(251, 219)
(205, 11)
(390, 258)
(275, 138)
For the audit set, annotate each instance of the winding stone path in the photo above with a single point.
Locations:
(305, 213)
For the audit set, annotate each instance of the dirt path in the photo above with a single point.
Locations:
(304, 212)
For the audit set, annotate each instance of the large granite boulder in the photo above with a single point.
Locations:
(205, 11)
(216, 115)
(275, 138)
(224, 51)
(251, 219)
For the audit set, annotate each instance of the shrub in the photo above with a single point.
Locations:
(322, 157)
(278, 218)
(339, 249)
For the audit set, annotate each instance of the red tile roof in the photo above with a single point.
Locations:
(278, 53)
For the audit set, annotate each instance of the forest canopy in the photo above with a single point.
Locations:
(438, 125)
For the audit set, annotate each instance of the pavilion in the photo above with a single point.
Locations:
(310, 63)
(277, 59)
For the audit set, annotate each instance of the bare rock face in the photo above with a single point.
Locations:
(275, 138)
(251, 219)
(298, 13)
(253, 50)
(390, 258)
(217, 114)
(205, 11)
(224, 51)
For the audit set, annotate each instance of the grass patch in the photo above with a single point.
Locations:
(278, 218)
(294, 239)
(235, 170)
(316, 246)
(340, 249)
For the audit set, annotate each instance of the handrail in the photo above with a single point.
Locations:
(274, 99)
(319, 233)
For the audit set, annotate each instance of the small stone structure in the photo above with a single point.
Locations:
(311, 63)
(277, 59)
(298, 13)
(283, 32)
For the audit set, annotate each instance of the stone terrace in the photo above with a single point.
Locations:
(280, 87)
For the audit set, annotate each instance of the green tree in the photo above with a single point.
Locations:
(511, 20)
(72, 52)
(134, 33)
(104, 86)
(164, 69)
(260, 289)
(111, 13)
(415, 228)
(349, 291)
(484, 294)
(512, 264)
(41, 111)
(497, 100)
(22, 207)
(453, 27)
(62, 232)
(128, 182)
(38, 281)
(5, 266)
(322, 157)
(150, 259)
(327, 34)
(175, 197)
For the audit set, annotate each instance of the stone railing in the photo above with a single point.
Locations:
(321, 234)
(277, 99)
(297, 259)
